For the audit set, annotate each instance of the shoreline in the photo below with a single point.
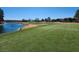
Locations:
(28, 26)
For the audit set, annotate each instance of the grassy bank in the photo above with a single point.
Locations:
(50, 37)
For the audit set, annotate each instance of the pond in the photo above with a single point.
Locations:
(10, 27)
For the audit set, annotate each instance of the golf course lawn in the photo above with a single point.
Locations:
(53, 37)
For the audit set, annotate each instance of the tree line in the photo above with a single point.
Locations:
(52, 20)
(48, 19)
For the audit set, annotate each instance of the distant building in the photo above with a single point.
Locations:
(1, 16)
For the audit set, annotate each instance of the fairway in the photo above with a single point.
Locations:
(54, 37)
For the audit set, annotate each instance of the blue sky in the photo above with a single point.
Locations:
(18, 13)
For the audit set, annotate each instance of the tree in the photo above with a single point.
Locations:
(58, 20)
(49, 19)
(37, 20)
(53, 20)
(23, 20)
(29, 20)
(1, 13)
(76, 14)
(70, 19)
(1, 16)
(46, 20)
(42, 20)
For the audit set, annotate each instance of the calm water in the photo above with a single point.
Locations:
(9, 27)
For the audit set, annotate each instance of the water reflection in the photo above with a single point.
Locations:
(1, 28)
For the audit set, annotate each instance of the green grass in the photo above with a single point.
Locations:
(47, 38)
